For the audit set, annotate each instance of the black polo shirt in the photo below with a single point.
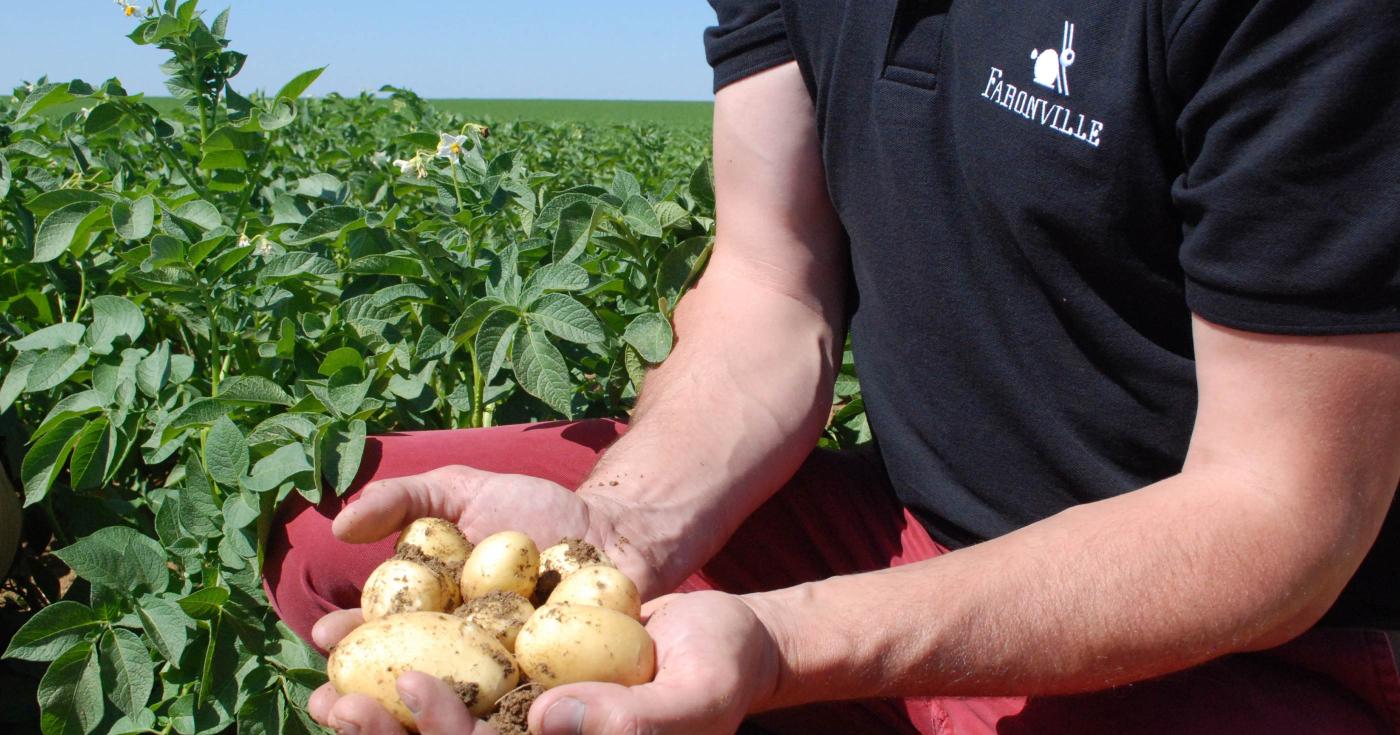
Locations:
(1039, 193)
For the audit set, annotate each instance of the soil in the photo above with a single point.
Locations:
(498, 604)
(467, 692)
(513, 711)
(413, 553)
(580, 553)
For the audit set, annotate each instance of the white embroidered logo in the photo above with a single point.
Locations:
(1052, 67)
(1050, 71)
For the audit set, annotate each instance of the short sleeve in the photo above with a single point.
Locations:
(1290, 130)
(750, 37)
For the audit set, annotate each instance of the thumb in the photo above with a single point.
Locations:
(386, 506)
(611, 709)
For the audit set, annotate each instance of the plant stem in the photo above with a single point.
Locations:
(82, 290)
(214, 347)
(174, 159)
(478, 391)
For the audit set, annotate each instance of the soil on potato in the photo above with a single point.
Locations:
(415, 553)
(512, 713)
(498, 604)
(467, 692)
(580, 553)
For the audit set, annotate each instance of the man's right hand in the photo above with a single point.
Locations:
(482, 503)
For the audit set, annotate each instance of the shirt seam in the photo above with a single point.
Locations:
(1183, 16)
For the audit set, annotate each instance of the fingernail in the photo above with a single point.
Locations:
(410, 701)
(564, 716)
(347, 728)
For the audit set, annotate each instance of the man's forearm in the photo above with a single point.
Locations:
(725, 421)
(1108, 593)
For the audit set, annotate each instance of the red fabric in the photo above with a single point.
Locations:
(837, 517)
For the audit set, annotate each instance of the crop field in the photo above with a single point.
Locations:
(206, 306)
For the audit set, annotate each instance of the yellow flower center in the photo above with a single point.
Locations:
(130, 10)
(456, 148)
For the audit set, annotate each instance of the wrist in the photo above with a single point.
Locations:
(776, 687)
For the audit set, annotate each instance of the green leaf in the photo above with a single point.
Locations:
(553, 277)
(6, 177)
(199, 513)
(325, 224)
(342, 449)
(651, 335)
(281, 114)
(493, 341)
(292, 265)
(44, 460)
(203, 214)
(223, 159)
(42, 98)
(166, 625)
(66, 334)
(641, 217)
(576, 225)
(70, 694)
(541, 371)
(702, 186)
(635, 368)
(61, 229)
(226, 452)
(113, 317)
(118, 557)
(126, 671)
(154, 370)
(56, 366)
(16, 379)
(134, 220)
(92, 455)
(49, 202)
(341, 359)
(564, 317)
(276, 468)
(293, 89)
(204, 604)
(53, 630)
(253, 389)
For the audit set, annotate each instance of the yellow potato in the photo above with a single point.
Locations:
(370, 660)
(403, 585)
(566, 644)
(565, 558)
(601, 587)
(437, 540)
(507, 561)
(502, 614)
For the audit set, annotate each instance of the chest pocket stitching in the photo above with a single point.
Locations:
(915, 25)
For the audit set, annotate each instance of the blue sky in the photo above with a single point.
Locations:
(568, 49)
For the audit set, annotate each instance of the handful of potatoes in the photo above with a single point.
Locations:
(517, 615)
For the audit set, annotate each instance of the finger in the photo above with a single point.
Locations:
(363, 716)
(330, 629)
(609, 709)
(386, 506)
(437, 708)
(321, 702)
(651, 607)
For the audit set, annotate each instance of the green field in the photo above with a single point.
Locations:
(594, 111)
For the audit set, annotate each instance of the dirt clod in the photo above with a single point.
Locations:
(468, 692)
(513, 711)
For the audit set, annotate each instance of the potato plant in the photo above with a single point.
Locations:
(206, 307)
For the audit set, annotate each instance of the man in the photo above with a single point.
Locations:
(1123, 281)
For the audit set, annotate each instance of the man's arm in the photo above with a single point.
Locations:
(1293, 463)
(744, 396)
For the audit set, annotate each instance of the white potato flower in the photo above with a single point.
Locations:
(380, 159)
(451, 147)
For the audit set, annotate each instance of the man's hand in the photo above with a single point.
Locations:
(482, 503)
(715, 661)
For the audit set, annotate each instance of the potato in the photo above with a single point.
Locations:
(565, 558)
(370, 660)
(403, 585)
(601, 587)
(434, 540)
(507, 561)
(566, 644)
(500, 613)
